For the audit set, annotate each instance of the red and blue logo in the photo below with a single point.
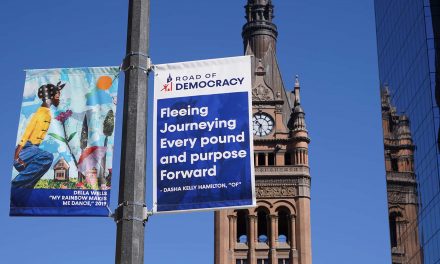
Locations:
(168, 87)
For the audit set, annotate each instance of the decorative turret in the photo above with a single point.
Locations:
(259, 33)
(390, 119)
(297, 120)
(403, 131)
(297, 101)
(405, 146)
(385, 98)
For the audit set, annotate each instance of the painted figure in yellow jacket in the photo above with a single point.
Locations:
(31, 161)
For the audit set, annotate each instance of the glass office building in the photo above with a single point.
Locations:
(408, 42)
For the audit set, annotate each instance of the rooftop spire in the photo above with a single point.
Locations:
(385, 97)
(296, 91)
(259, 32)
(403, 131)
(297, 119)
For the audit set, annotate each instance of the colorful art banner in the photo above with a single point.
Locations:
(202, 141)
(63, 158)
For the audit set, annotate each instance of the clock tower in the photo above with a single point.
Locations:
(277, 231)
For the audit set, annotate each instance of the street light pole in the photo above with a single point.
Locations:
(130, 213)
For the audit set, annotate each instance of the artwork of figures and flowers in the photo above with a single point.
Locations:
(80, 136)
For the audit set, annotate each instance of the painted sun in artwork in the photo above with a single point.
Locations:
(104, 82)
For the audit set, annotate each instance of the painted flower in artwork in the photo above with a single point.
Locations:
(63, 116)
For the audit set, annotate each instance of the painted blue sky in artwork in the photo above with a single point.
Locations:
(98, 97)
(81, 96)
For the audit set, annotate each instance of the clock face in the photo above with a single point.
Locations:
(262, 124)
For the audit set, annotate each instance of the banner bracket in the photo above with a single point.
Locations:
(117, 217)
(148, 67)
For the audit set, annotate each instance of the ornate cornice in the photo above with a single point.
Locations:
(402, 193)
(272, 181)
(267, 102)
(276, 192)
(402, 198)
(393, 144)
(401, 178)
(285, 140)
(283, 188)
(282, 171)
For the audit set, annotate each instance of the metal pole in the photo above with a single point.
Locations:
(130, 213)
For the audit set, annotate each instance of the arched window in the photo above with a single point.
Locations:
(262, 226)
(242, 235)
(283, 225)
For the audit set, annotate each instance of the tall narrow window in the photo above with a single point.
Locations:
(262, 226)
(287, 159)
(407, 165)
(261, 159)
(283, 225)
(242, 236)
(262, 261)
(271, 159)
(283, 261)
(394, 164)
(393, 229)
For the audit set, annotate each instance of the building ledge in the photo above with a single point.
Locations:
(403, 177)
(261, 245)
(293, 170)
(241, 246)
(397, 251)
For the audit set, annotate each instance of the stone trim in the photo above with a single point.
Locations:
(294, 170)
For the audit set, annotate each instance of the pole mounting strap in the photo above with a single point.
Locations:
(125, 203)
(145, 213)
(148, 67)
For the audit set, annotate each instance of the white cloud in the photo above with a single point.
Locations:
(30, 88)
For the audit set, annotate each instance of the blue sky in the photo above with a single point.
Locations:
(330, 44)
